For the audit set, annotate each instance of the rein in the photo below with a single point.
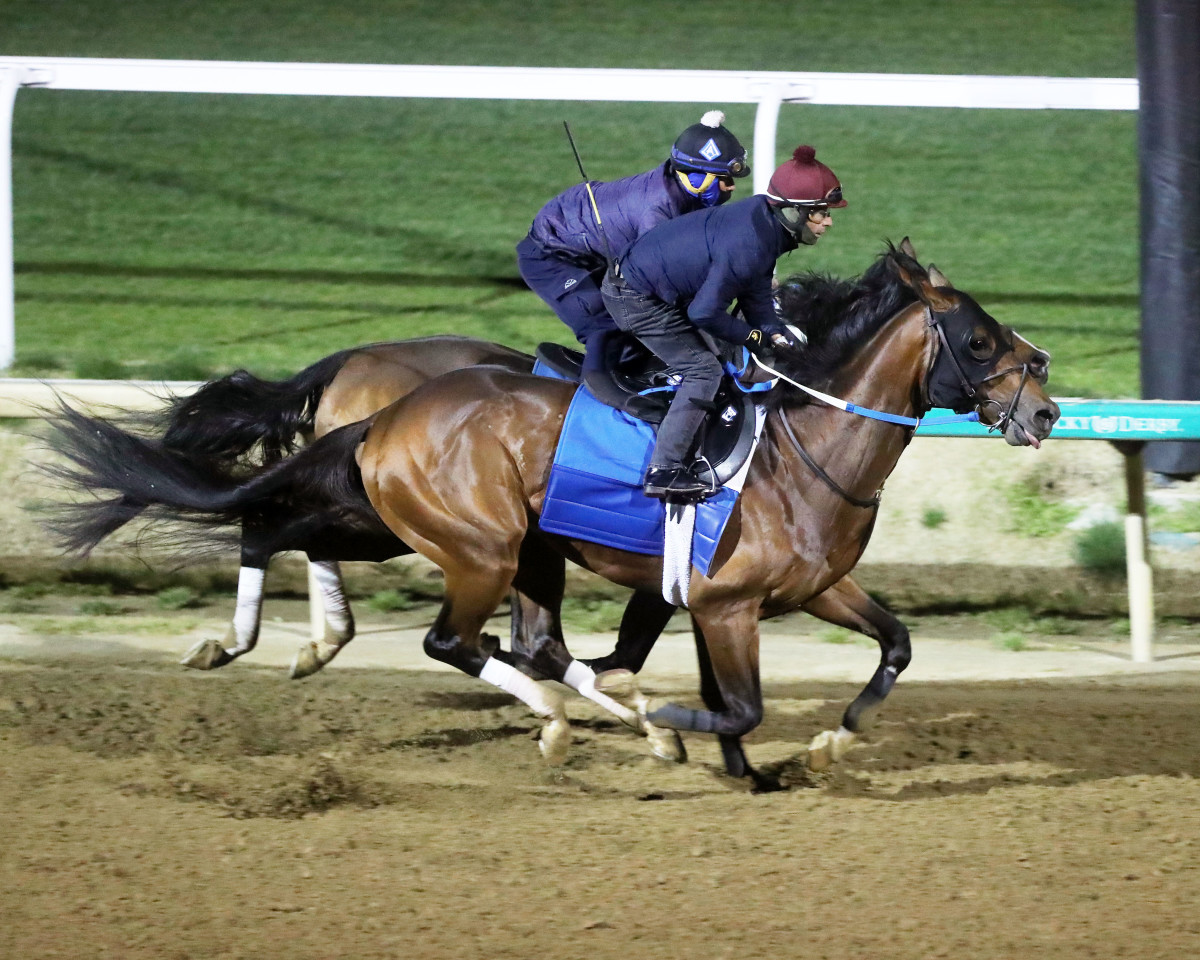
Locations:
(882, 415)
(970, 389)
(822, 475)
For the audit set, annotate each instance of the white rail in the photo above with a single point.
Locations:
(768, 89)
(28, 398)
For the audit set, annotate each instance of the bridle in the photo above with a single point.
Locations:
(969, 387)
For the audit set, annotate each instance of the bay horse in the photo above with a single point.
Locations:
(238, 415)
(457, 469)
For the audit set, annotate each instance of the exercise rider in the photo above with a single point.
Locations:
(565, 255)
(682, 277)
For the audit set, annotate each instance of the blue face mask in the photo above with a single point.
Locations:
(704, 186)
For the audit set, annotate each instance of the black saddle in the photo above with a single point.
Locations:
(727, 436)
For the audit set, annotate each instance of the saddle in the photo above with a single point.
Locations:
(640, 387)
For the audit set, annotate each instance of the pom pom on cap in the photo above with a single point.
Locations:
(804, 154)
(714, 118)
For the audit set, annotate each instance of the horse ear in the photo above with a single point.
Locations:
(913, 276)
(937, 278)
(907, 247)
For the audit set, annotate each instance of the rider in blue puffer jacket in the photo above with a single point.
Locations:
(678, 281)
(564, 256)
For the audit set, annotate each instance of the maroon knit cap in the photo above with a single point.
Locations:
(804, 179)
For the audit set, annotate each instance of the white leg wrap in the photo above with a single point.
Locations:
(582, 678)
(248, 614)
(543, 702)
(328, 575)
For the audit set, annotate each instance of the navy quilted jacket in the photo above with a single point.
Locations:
(702, 262)
(566, 226)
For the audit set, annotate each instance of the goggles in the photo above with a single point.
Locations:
(737, 167)
(832, 199)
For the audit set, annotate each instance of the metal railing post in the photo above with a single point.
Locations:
(766, 123)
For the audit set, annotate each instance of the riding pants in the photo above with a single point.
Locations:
(570, 290)
(670, 336)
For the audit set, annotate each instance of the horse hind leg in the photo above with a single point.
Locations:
(242, 633)
(326, 578)
(539, 650)
(544, 653)
(846, 604)
(456, 639)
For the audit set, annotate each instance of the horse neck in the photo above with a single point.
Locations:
(886, 374)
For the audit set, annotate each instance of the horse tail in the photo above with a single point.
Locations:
(226, 418)
(124, 475)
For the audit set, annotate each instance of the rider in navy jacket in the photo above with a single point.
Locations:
(683, 276)
(566, 252)
(704, 261)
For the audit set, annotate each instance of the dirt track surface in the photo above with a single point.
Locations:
(152, 812)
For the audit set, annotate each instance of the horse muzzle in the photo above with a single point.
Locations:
(1031, 421)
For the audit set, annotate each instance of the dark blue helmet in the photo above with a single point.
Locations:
(704, 154)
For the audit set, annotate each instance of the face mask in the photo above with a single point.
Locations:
(704, 186)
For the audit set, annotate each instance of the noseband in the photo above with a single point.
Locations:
(969, 387)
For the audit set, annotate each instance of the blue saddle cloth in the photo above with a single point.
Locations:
(595, 489)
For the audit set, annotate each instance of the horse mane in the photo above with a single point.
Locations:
(839, 315)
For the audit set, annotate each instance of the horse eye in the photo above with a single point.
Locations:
(978, 344)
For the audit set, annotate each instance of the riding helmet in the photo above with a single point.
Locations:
(804, 181)
(705, 152)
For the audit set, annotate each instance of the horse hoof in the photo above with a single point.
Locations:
(555, 741)
(666, 743)
(619, 684)
(207, 655)
(828, 747)
(306, 662)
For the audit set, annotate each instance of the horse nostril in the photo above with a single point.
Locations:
(1046, 417)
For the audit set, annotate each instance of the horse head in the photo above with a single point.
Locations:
(978, 363)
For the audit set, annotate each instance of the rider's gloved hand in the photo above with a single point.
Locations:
(769, 339)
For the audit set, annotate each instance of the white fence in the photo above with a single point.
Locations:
(711, 87)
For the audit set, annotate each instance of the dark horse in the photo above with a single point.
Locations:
(458, 469)
(241, 418)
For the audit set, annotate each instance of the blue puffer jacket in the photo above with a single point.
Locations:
(705, 260)
(566, 227)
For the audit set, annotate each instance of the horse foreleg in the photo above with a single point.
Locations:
(727, 652)
(846, 604)
(242, 633)
(339, 621)
(646, 616)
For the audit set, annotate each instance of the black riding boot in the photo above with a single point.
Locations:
(674, 484)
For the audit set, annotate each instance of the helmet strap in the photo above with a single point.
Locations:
(795, 221)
